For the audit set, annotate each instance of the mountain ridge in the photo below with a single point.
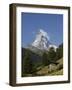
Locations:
(41, 42)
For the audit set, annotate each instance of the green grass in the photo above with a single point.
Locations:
(45, 70)
(58, 69)
(57, 72)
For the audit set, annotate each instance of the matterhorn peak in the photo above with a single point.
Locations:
(42, 40)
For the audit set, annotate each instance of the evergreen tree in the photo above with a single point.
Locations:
(51, 54)
(45, 59)
(59, 52)
(27, 65)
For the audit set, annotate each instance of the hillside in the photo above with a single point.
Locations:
(35, 57)
(38, 68)
(52, 69)
(38, 63)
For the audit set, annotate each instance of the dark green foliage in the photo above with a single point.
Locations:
(27, 65)
(29, 62)
(49, 57)
(45, 59)
(33, 62)
(51, 54)
(59, 52)
(35, 57)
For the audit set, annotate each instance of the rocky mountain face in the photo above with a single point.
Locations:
(41, 42)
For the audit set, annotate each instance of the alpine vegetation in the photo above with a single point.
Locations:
(42, 57)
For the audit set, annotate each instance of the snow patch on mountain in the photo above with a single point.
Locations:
(54, 46)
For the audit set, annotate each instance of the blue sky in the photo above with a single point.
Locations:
(50, 23)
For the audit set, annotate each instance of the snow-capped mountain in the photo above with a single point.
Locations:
(42, 41)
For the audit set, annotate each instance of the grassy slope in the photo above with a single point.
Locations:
(58, 71)
(44, 70)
